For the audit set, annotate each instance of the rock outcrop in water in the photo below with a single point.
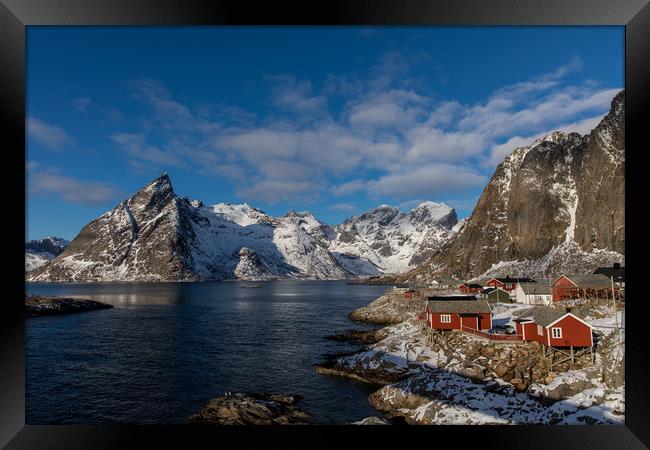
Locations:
(45, 306)
(251, 409)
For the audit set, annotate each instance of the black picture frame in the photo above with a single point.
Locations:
(15, 15)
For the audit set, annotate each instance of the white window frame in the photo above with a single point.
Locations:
(540, 330)
(557, 335)
(445, 318)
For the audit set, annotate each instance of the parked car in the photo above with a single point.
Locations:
(502, 329)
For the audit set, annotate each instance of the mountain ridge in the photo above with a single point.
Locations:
(155, 235)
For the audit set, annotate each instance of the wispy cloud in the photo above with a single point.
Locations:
(50, 182)
(390, 138)
(346, 207)
(49, 136)
(81, 104)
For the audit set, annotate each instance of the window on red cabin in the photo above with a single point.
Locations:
(445, 318)
(556, 332)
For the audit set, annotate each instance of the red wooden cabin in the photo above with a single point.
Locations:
(580, 286)
(508, 284)
(412, 293)
(470, 288)
(553, 328)
(455, 313)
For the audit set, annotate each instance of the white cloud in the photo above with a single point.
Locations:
(50, 136)
(347, 207)
(70, 189)
(273, 191)
(296, 96)
(431, 181)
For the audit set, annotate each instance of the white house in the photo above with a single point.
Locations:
(533, 293)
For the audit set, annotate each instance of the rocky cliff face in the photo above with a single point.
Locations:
(156, 235)
(555, 205)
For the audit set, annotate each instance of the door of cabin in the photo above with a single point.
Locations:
(469, 322)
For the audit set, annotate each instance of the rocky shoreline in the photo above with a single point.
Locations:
(430, 377)
(45, 306)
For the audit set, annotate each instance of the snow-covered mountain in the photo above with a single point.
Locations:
(556, 205)
(385, 240)
(157, 236)
(40, 251)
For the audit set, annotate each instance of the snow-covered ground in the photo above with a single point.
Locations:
(436, 386)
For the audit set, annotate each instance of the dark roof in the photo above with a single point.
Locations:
(515, 280)
(471, 285)
(541, 315)
(459, 306)
(590, 281)
(450, 298)
(496, 292)
(536, 288)
(617, 271)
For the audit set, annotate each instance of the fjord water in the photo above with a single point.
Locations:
(166, 349)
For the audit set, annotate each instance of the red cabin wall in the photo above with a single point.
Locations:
(562, 289)
(530, 330)
(469, 322)
(436, 324)
(484, 321)
(574, 333)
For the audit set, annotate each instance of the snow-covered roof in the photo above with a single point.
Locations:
(542, 315)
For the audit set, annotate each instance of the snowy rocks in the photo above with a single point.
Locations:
(386, 310)
(251, 409)
(365, 337)
(372, 420)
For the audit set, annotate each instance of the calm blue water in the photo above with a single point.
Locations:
(166, 349)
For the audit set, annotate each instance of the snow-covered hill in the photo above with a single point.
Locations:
(40, 251)
(157, 236)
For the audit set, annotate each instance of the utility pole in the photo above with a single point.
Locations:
(618, 332)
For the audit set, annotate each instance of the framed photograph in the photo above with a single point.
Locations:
(261, 223)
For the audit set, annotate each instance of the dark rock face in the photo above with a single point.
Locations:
(44, 306)
(561, 198)
(251, 409)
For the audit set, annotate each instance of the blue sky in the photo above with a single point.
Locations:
(335, 120)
